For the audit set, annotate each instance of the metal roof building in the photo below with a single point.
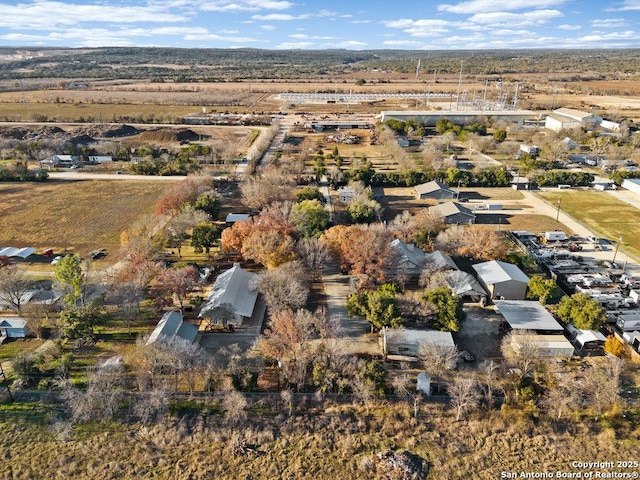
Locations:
(172, 326)
(234, 291)
(502, 280)
(527, 315)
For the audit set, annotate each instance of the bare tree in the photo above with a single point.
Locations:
(284, 287)
(14, 286)
(489, 371)
(404, 385)
(314, 254)
(562, 396)
(601, 386)
(521, 350)
(438, 359)
(38, 317)
(463, 395)
(176, 284)
(235, 407)
(260, 191)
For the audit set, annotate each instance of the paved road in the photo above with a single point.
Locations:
(76, 175)
(357, 337)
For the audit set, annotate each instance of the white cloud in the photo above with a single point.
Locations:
(244, 5)
(487, 6)
(627, 5)
(281, 17)
(569, 27)
(361, 22)
(46, 15)
(294, 45)
(346, 44)
(218, 38)
(304, 36)
(269, 28)
(506, 19)
(403, 43)
(609, 23)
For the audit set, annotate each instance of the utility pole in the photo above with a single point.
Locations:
(616, 250)
(6, 382)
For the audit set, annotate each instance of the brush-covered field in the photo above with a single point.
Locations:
(329, 442)
(73, 216)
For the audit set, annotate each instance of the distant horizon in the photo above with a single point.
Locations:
(445, 25)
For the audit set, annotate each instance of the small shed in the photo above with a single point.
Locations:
(13, 327)
(423, 383)
(502, 280)
(346, 194)
(586, 339)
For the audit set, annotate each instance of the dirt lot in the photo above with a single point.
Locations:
(480, 333)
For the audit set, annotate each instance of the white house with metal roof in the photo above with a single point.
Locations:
(502, 280)
(404, 341)
(232, 298)
(171, 327)
(13, 327)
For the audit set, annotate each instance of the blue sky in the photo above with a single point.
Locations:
(349, 24)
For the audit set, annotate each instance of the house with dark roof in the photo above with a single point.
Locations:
(453, 212)
(172, 327)
(409, 258)
(437, 261)
(434, 189)
(504, 281)
(232, 298)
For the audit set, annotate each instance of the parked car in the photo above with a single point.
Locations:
(56, 260)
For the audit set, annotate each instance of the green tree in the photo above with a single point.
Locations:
(70, 275)
(379, 307)
(208, 203)
(79, 321)
(310, 217)
(450, 314)
(583, 311)
(541, 288)
(204, 236)
(310, 193)
(362, 212)
(500, 135)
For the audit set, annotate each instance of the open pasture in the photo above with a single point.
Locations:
(73, 216)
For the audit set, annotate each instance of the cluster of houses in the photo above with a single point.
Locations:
(66, 161)
(502, 283)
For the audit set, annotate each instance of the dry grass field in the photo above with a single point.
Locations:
(333, 442)
(73, 216)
